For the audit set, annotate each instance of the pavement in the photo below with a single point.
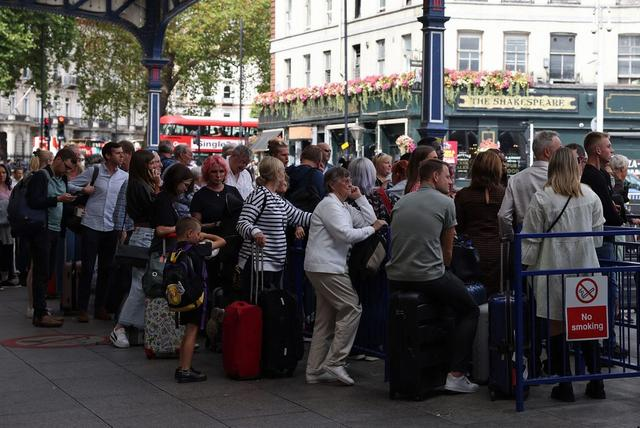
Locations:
(97, 385)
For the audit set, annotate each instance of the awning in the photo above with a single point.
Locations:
(262, 142)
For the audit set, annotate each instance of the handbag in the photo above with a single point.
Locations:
(132, 255)
(366, 257)
(465, 261)
(152, 280)
(73, 221)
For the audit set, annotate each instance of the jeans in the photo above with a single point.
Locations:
(450, 290)
(103, 246)
(132, 312)
(41, 247)
(608, 252)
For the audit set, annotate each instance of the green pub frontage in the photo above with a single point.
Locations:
(476, 118)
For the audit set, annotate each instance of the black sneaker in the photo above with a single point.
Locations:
(595, 390)
(185, 376)
(178, 370)
(563, 392)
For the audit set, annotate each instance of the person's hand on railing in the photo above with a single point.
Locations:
(379, 224)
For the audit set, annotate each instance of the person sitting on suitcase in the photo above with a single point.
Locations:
(420, 255)
(186, 282)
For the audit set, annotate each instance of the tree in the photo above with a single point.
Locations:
(202, 46)
(111, 78)
(20, 41)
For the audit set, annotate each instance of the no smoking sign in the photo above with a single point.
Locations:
(586, 307)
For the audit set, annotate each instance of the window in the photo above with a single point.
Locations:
(407, 2)
(515, 52)
(39, 108)
(12, 104)
(356, 61)
(380, 45)
(67, 107)
(382, 4)
(406, 50)
(327, 66)
(562, 57)
(329, 11)
(25, 106)
(226, 92)
(628, 58)
(287, 72)
(287, 13)
(357, 9)
(307, 70)
(307, 13)
(469, 51)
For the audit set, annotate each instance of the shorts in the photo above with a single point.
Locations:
(191, 317)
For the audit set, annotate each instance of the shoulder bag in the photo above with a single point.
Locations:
(559, 215)
(465, 260)
(74, 221)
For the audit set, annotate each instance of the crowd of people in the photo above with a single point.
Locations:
(159, 200)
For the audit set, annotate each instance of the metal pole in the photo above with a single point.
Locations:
(531, 131)
(241, 76)
(519, 304)
(600, 85)
(346, 80)
(43, 85)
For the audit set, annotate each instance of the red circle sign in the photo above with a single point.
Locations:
(586, 290)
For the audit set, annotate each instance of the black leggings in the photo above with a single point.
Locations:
(450, 290)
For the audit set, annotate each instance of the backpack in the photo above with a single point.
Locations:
(184, 290)
(367, 257)
(305, 196)
(25, 221)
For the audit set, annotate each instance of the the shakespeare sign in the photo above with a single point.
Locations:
(506, 102)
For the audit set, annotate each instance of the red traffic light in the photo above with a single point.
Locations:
(60, 119)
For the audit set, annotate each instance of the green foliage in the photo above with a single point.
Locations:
(20, 34)
(111, 77)
(203, 46)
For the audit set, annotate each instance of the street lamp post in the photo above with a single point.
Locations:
(432, 123)
(241, 89)
(356, 132)
(599, 29)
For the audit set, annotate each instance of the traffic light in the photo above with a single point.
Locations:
(47, 128)
(60, 132)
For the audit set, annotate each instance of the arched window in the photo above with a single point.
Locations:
(227, 92)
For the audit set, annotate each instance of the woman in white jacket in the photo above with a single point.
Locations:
(335, 226)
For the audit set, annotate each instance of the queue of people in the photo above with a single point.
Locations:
(147, 200)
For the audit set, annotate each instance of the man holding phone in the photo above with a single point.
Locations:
(47, 190)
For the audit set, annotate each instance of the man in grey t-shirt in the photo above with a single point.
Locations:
(422, 230)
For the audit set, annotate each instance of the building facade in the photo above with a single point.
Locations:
(552, 43)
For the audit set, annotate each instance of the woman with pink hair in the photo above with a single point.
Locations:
(218, 206)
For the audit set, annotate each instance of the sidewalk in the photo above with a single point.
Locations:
(98, 385)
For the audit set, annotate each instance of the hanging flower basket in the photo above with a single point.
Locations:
(405, 144)
(484, 83)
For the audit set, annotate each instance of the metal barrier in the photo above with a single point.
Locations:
(603, 363)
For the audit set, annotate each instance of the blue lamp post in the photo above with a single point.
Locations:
(432, 121)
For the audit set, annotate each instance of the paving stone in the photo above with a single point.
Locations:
(288, 420)
(80, 418)
(42, 399)
(104, 386)
(134, 405)
(192, 418)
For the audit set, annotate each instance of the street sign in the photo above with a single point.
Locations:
(586, 307)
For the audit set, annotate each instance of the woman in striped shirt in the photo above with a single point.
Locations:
(264, 219)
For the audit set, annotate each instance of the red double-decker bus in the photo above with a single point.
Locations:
(214, 133)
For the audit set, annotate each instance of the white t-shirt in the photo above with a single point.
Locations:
(242, 182)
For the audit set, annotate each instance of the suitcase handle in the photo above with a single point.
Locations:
(257, 272)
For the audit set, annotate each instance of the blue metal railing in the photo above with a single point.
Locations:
(624, 272)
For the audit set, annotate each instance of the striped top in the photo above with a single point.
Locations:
(277, 213)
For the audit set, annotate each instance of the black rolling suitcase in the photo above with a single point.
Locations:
(418, 353)
(502, 319)
(282, 343)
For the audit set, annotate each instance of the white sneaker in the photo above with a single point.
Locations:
(118, 338)
(460, 384)
(29, 313)
(340, 373)
(323, 377)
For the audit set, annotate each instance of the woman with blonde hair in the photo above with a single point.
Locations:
(40, 159)
(477, 209)
(383, 164)
(563, 205)
(263, 220)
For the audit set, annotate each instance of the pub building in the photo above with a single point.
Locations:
(473, 121)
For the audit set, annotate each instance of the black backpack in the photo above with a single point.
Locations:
(25, 221)
(184, 290)
(305, 196)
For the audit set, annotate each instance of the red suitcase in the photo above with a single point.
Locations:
(242, 331)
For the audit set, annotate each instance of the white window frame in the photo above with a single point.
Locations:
(380, 55)
(287, 73)
(407, 53)
(25, 106)
(382, 5)
(518, 55)
(287, 15)
(307, 14)
(357, 60)
(307, 70)
(466, 54)
(563, 55)
(628, 76)
(327, 66)
(329, 5)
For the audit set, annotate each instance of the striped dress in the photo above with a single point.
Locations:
(266, 212)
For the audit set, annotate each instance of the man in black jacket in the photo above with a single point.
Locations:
(47, 190)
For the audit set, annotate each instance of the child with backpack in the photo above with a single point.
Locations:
(185, 277)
